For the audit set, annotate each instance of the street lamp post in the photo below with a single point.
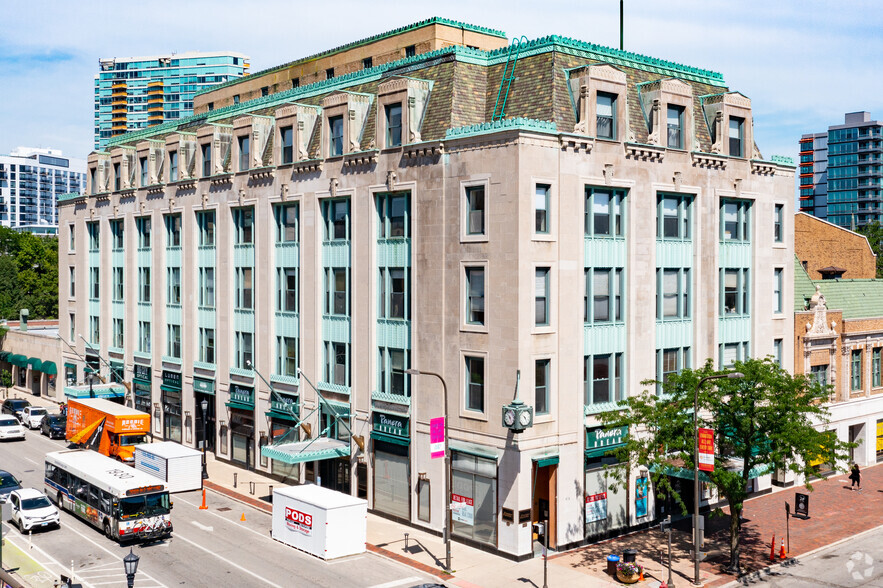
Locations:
(447, 497)
(204, 406)
(728, 375)
(130, 563)
(90, 376)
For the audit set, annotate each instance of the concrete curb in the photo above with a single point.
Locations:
(798, 557)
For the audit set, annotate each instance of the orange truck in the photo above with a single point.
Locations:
(108, 427)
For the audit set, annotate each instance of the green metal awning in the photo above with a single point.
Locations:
(545, 460)
(378, 436)
(49, 368)
(278, 414)
(4, 355)
(165, 388)
(18, 360)
(98, 390)
(309, 450)
(36, 364)
(239, 405)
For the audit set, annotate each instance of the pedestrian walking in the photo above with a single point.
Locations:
(855, 475)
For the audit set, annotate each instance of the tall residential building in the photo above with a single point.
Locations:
(841, 172)
(599, 219)
(31, 180)
(134, 93)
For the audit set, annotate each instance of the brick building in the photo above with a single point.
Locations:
(827, 251)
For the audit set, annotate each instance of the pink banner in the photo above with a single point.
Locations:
(437, 437)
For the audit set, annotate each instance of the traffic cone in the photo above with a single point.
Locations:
(772, 548)
(242, 518)
(641, 578)
(663, 584)
(782, 549)
(203, 507)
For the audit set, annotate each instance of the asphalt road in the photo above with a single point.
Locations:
(210, 548)
(855, 562)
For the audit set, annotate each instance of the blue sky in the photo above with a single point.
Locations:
(803, 64)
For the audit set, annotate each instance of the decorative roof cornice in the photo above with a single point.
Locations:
(524, 124)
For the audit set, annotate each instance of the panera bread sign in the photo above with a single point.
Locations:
(391, 424)
(604, 438)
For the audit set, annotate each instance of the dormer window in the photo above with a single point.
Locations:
(206, 160)
(675, 127)
(329, 73)
(606, 116)
(335, 126)
(287, 134)
(244, 151)
(368, 63)
(173, 166)
(410, 51)
(394, 125)
(735, 136)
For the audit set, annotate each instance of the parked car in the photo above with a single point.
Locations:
(10, 428)
(32, 416)
(8, 484)
(14, 406)
(54, 426)
(32, 510)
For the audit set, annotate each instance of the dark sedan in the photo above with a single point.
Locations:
(54, 426)
(8, 484)
(14, 406)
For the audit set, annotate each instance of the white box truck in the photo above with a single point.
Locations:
(178, 466)
(319, 521)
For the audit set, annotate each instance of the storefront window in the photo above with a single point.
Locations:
(474, 497)
(392, 480)
(284, 431)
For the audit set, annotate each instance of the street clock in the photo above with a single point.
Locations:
(517, 416)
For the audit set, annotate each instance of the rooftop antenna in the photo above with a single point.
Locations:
(620, 25)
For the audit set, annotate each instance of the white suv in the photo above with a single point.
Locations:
(32, 510)
(32, 416)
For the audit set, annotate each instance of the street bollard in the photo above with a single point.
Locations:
(234, 479)
(30, 539)
(251, 486)
(406, 542)
(271, 494)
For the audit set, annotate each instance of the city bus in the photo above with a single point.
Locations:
(125, 503)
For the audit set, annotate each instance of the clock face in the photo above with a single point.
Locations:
(509, 417)
(524, 418)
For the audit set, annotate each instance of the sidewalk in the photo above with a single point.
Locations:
(836, 513)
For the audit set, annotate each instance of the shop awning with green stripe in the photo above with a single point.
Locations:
(240, 405)
(4, 355)
(35, 363)
(309, 450)
(98, 391)
(49, 368)
(165, 388)
(545, 460)
(378, 436)
(18, 360)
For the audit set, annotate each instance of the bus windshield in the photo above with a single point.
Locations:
(132, 439)
(148, 505)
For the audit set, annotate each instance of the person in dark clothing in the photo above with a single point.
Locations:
(856, 476)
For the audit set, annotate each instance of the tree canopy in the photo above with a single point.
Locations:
(28, 274)
(874, 232)
(766, 420)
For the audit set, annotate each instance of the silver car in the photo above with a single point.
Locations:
(8, 483)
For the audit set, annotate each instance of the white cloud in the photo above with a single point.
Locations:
(803, 64)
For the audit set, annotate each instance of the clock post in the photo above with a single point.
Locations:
(517, 415)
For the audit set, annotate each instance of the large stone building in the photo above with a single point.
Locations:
(827, 251)
(603, 219)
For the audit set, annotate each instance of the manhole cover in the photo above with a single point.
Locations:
(224, 509)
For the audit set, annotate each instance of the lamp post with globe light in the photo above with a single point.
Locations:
(130, 563)
(204, 406)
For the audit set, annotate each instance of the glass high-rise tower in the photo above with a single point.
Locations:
(841, 172)
(136, 92)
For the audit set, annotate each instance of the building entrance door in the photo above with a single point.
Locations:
(543, 509)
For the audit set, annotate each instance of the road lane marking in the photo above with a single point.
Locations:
(47, 556)
(410, 580)
(232, 522)
(226, 560)
(203, 527)
(30, 460)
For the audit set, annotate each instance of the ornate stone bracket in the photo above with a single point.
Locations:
(221, 179)
(261, 173)
(391, 178)
(423, 150)
(709, 160)
(333, 184)
(763, 168)
(155, 189)
(576, 144)
(608, 173)
(307, 166)
(644, 152)
(360, 158)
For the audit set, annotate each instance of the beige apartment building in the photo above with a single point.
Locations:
(597, 219)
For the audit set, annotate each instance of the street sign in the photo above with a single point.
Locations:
(706, 449)
(801, 504)
(437, 437)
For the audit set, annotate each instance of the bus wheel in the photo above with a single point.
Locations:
(107, 530)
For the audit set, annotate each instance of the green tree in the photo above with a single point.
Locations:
(764, 421)
(874, 232)
(28, 274)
